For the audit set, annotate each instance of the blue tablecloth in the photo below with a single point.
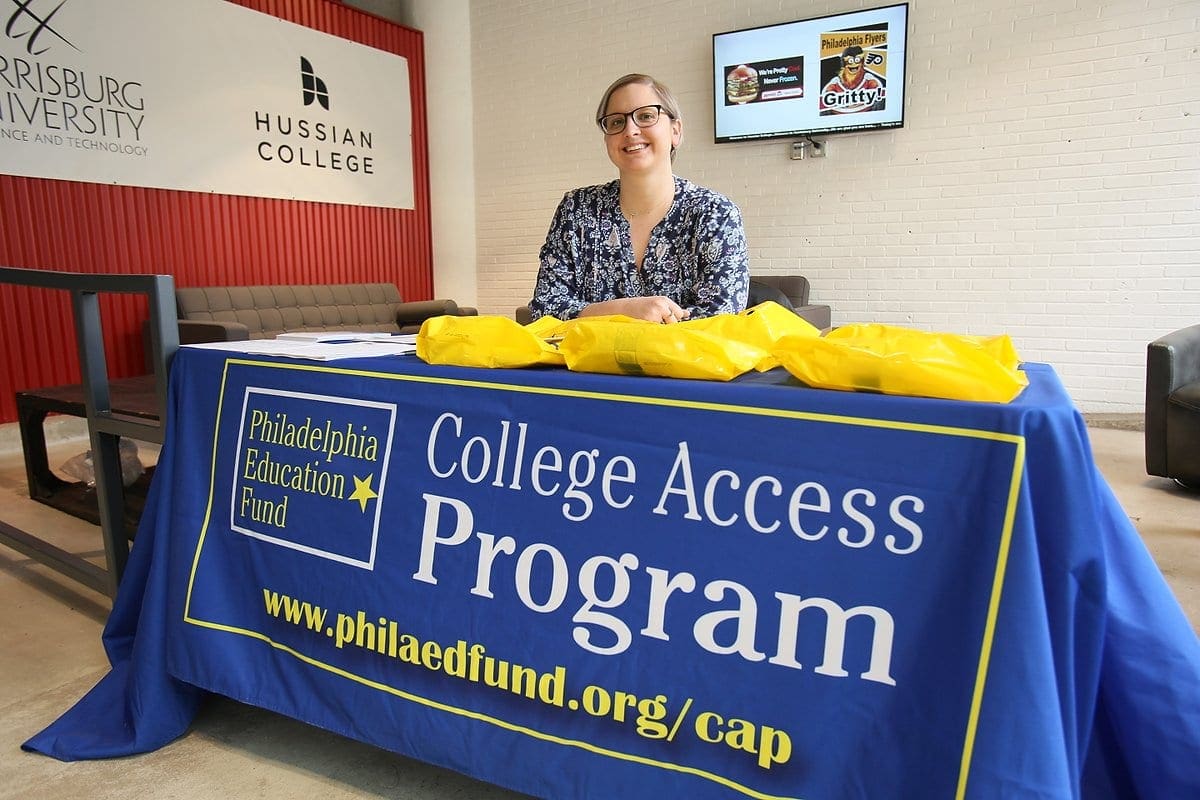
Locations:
(595, 586)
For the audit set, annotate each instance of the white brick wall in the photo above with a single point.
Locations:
(1046, 183)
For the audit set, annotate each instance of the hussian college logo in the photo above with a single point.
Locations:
(317, 143)
(314, 87)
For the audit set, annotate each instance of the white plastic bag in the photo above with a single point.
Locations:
(80, 466)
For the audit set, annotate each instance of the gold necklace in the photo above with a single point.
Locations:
(665, 201)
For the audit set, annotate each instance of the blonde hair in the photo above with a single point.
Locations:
(669, 103)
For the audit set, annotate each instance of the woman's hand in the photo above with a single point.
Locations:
(652, 309)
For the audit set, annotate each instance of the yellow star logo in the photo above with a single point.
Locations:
(363, 491)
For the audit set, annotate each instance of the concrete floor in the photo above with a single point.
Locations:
(50, 655)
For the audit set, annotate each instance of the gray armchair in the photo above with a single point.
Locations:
(790, 291)
(1173, 407)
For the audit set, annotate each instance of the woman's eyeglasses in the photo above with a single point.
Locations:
(643, 117)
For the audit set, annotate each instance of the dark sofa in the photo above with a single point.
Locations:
(1173, 407)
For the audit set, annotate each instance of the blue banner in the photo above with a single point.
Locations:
(652, 586)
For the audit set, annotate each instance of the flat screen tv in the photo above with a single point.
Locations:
(834, 74)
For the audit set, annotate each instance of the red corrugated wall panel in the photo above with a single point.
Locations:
(201, 239)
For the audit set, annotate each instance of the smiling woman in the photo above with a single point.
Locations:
(649, 245)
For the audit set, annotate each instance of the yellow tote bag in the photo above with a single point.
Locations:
(714, 348)
(622, 346)
(485, 341)
(902, 361)
(761, 326)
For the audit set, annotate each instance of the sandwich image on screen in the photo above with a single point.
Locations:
(854, 70)
(741, 85)
(760, 81)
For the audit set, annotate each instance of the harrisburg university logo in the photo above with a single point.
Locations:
(30, 20)
(314, 87)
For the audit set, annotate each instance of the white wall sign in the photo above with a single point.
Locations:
(201, 95)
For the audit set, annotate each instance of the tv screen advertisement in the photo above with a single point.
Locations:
(834, 74)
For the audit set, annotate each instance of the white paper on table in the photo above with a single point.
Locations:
(310, 350)
(356, 336)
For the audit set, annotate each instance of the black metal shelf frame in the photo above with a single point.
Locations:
(105, 427)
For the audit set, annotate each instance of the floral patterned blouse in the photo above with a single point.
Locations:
(696, 255)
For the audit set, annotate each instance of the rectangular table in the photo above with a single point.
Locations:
(595, 586)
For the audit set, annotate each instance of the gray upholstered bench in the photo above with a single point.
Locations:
(233, 313)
